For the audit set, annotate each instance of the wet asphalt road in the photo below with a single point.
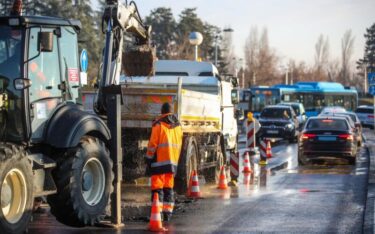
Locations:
(283, 198)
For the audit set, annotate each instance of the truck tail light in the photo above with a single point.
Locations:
(348, 137)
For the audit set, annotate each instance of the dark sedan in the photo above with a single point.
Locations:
(278, 122)
(325, 138)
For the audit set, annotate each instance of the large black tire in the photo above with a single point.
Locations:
(16, 180)
(213, 174)
(84, 184)
(186, 164)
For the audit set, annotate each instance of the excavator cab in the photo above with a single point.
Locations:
(39, 69)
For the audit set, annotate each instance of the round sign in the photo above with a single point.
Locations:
(84, 61)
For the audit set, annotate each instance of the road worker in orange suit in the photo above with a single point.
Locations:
(162, 157)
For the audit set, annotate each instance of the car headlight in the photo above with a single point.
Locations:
(290, 126)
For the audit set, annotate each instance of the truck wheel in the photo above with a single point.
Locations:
(84, 183)
(16, 179)
(213, 174)
(187, 163)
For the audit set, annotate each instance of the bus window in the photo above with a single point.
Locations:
(338, 100)
(308, 102)
(319, 101)
(328, 99)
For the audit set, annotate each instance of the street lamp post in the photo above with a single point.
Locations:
(286, 75)
(365, 81)
(195, 39)
(216, 38)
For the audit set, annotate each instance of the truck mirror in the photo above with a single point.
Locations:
(240, 115)
(45, 41)
(235, 96)
(234, 81)
(20, 84)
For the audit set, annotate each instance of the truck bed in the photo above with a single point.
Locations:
(197, 111)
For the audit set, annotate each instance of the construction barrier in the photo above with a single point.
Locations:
(234, 165)
(250, 131)
(263, 152)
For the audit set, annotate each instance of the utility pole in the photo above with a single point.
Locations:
(365, 80)
(216, 38)
(286, 76)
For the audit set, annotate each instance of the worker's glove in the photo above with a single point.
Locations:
(148, 168)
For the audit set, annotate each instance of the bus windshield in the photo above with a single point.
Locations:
(263, 97)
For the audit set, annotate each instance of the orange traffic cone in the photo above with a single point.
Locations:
(193, 191)
(155, 220)
(246, 163)
(223, 184)
(269, 151)
(246, 178)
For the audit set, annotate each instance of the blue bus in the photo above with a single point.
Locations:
(313, 95)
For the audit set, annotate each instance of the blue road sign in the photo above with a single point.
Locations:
(371, 90)
(371, 78)
(84, 61)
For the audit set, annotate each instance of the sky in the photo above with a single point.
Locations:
(293, 25)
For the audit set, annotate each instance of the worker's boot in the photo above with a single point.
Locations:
(167, 217)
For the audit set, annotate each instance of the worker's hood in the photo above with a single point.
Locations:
(169, 119)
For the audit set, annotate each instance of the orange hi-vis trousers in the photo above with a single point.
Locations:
(163, 184)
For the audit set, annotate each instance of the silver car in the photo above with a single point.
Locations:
(366, 116)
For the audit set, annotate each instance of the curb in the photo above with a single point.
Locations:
(368, 219)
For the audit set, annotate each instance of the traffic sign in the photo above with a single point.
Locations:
(371, 78)
(84, 61)
(371, 90)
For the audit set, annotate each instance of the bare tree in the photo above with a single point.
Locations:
(347, 42)
(251, 53)
(321, 58)
(334, 70)
(261, 60)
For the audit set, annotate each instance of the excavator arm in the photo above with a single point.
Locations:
(135, 59)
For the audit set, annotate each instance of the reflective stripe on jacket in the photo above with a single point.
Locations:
(165, 144)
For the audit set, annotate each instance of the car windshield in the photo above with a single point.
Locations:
(365, 110)
(327, 124)
(10, 69)
(276, 113)
(294, 106)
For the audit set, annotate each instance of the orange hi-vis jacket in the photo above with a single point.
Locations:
(165, 144)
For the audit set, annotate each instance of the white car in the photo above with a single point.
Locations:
(366, 116)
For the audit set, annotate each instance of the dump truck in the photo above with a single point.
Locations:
(205, 104)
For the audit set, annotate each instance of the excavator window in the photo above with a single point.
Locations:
(69, 61)
(44, 73)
